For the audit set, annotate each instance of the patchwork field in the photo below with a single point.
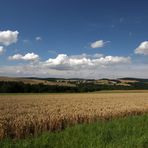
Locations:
(31, 114)
(35, 81)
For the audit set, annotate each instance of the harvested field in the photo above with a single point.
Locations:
(35, 81)
(32, 114)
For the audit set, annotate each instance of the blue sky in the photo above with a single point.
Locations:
(57, 37)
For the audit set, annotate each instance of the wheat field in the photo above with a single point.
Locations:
(32, 114)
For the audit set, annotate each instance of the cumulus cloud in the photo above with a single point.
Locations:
(111, 71)
(98, 44)
(26, 41)
(26, 57)
(65, 62)
(8, 37)
(84, 55)
(142, 48)
(1, 49)
(63, 65)
(38, 38)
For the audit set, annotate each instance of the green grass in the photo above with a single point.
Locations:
(94, 92)
(128, 132)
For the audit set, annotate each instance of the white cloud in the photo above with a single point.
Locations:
(142, 48)
(112, 60)
(111, 71)
(26, 57)
(84, 55)
(38, 38)
(98, 44)
(80, 66)
(26, 41)
(98, 55)
(65, 62)
(1, 49)
(8, 37)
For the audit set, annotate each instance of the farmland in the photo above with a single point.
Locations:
(127, 132)
(23, 115)
(59, 85)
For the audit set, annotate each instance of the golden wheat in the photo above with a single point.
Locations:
(23, 115)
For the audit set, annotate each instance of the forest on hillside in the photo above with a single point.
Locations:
(20, 87)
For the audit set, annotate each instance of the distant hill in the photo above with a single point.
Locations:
(67, 81)
(134, 79)
(34, 80)
(33, 84)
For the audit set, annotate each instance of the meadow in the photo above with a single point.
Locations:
(23, 115)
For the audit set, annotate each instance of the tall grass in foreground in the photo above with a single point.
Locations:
(127, 132)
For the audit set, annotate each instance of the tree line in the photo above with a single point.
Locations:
(20, 87)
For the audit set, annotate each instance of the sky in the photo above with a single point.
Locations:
(74, 38)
